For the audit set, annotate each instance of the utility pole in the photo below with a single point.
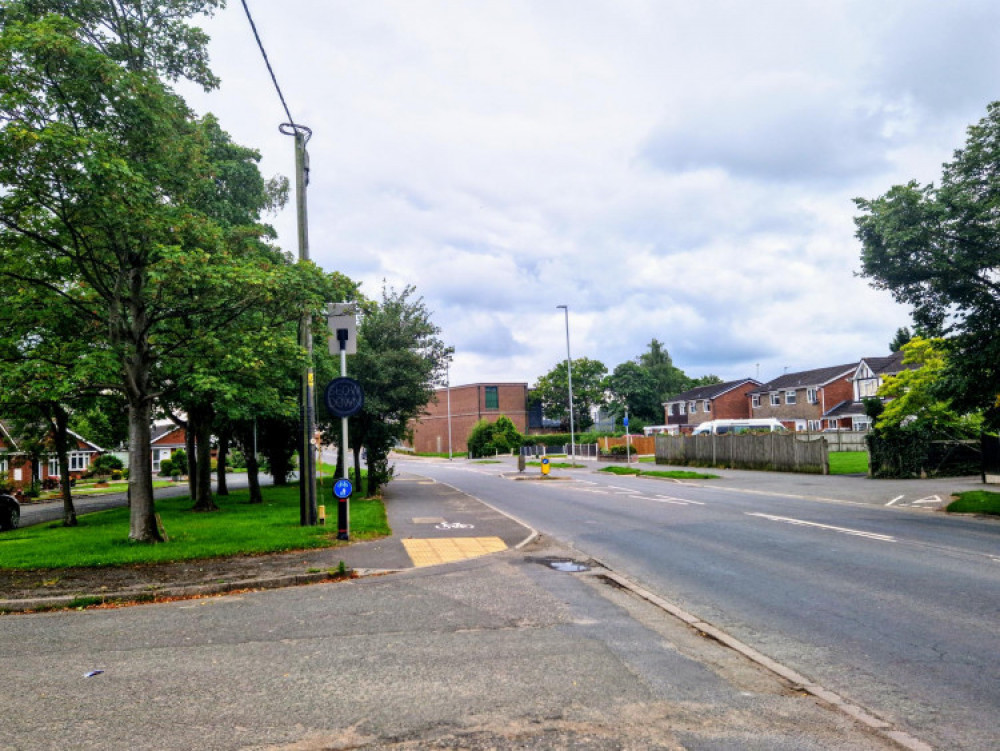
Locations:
(308, 512)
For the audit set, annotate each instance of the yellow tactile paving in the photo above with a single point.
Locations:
(428, 552)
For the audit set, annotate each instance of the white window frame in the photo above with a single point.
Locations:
(775, 398)
(707, 405)
(692, 408)
(53, 465)
(812, 395)
(4, 466)
(755, 401)
(814, 426)
(791, 397)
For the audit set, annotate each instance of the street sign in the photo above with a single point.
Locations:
(343, 488)
(545, 465)
(344, 397)
(343, 317)
(626, 422)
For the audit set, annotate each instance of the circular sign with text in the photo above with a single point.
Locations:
(344, 397)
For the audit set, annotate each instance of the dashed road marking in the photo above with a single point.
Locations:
(894, 500)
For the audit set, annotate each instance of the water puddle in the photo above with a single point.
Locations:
(571, 567)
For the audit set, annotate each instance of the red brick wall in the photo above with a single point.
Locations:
(839, 391)
(734, 404)
(468, 406)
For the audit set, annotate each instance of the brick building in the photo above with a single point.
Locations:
(719, 401)
(469, 404)
(800, 400)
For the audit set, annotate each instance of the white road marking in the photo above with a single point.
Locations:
(680, 500)
(930, 499)
(897, 498)
(843, 530)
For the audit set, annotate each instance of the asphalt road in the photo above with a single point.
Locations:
(891, 606)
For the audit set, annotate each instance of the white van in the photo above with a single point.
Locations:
(721, 427)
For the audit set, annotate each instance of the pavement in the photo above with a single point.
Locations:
(492, 558)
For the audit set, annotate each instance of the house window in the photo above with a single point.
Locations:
(867, 387)
(811, 396)
(78, 462)
(707, 405)
(681, 406)
(815, 425)
(789, 397)
(693, 407)
(492, 397)
(755, 401)
(3, 465)
(775, 399)
(53, 466)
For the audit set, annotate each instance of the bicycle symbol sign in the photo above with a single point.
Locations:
(343, 488)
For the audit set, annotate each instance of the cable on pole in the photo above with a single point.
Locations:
(291, 128)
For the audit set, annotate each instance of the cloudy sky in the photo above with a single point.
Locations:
(677, 170)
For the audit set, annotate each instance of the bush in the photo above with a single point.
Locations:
(105, 464)
(167, 468)
(489, 438)
(236, 460)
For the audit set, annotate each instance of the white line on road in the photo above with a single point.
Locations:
(930, 499)
(844, 530)
(897, 498)
(680, 500)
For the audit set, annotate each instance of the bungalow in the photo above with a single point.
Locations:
(18, 469)
(166, 438)
(800, 400)
(690, 408)
(868, 376)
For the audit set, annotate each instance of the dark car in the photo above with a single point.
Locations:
(10, 513)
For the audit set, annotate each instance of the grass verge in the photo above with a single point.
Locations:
(849, 463)
(672, 474)
(101, 538)
(556, 465)
(976, 502)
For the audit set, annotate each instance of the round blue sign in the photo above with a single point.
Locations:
(343, 488)
(545, 460)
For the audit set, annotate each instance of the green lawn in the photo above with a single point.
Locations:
(673, 474)
(101, 539)
(976, 502)
(849, 463)
(556, 465)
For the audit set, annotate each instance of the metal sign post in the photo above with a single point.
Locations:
(344, 397)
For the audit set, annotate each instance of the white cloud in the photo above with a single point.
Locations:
(674, 170)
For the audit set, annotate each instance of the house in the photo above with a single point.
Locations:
(18, 469)
(166, 438)
(468, 404)
(718, 401)
(868, 376)
(800, 400)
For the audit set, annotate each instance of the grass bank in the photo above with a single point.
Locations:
(849, 463)
(101, 538)
(976, 502)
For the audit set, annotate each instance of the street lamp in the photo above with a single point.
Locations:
(447, 383)
(569, 376)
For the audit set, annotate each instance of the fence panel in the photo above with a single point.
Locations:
(771, 451)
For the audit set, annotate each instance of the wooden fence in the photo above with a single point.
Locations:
(640, 444)
(840, 440)
(782, 452)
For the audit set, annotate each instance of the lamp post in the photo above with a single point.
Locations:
(447, 383)
(569, 377)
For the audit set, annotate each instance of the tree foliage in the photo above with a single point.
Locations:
(488, 438)
(634, 387)
(552, 390)
(937, 249)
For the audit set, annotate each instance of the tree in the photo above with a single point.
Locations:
(488, 438)
(552, 390)
(915, 398)
(633, 387)
(669, 379)
(902, 336)
(937, 249)
(103, 174)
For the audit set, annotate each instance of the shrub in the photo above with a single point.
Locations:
(167, 468)
(105, 464)
(489, 438)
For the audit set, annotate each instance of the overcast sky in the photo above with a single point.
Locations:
(677, 170)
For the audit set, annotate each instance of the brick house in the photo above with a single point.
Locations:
(868, 376)
(469, 404)
(18, 469)
(165, 439)
(800, 400)
(719, 401)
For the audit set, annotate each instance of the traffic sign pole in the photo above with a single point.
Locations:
(344, 504)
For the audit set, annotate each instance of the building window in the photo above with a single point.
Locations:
(707, 405)
(693, 407)
(53, 466)
(789, 397)
(492, 397)
(867, 387)
(681, 407)
(815, 425)
(3, 464)
(775, 399)
(755, 401)
(811, 396)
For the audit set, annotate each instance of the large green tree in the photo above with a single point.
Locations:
(552, 390)
(937, 249)
(633, 387)
(103, 172)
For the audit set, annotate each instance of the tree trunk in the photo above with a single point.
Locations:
(190, 448)
(372, 474)
(60, 424)
(203, 445)
(220, 476)
(142, 516)
(244, 434)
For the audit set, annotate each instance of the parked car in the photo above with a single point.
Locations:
(10, 513)
(753, 425)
